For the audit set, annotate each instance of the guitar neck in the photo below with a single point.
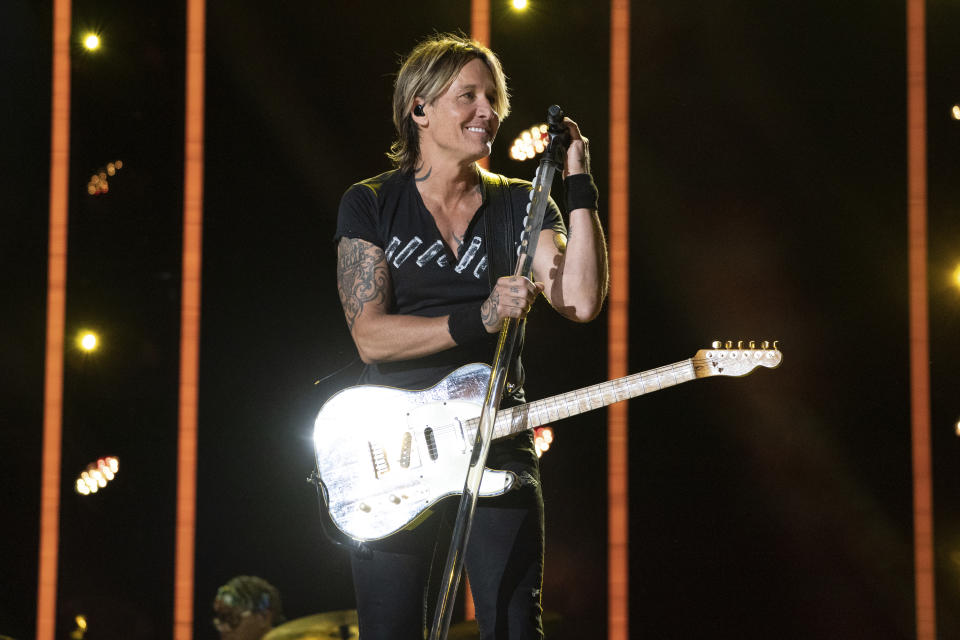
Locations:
(513, 420)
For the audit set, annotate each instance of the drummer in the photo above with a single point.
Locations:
(246, 608)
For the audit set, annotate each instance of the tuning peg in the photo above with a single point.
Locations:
(716, 344)
(740, 344)
(775, 345)
(729, 344)
(753, 345)
(765, 344)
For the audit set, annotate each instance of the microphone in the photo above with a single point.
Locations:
(559, 133)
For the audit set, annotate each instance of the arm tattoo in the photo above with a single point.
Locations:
(362, 277)
(488, 310)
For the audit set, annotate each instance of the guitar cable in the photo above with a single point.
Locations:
(323, 379)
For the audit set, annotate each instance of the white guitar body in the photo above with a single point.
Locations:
(386, 455)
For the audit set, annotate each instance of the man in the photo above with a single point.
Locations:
(414, 279)
(246, 608)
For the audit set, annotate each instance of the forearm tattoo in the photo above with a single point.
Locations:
(488, 310)
(362, 277)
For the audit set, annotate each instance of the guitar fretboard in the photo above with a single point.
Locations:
(533, 414)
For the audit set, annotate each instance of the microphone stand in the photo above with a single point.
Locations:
(539, 195)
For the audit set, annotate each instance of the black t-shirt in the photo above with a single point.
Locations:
(428, 278)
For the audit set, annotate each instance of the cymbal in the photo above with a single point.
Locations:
(468, 629)
(332, 625)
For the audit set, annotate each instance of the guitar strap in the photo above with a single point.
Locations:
(500, 237)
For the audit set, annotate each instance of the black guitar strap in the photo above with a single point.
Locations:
(500, 237)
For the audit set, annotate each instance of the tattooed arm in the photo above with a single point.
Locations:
(363, 282)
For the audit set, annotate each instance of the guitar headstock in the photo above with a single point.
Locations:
(727, 360)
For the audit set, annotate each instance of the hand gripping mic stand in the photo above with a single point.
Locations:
(542, 182)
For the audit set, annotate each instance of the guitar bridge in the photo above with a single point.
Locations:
(379, 458)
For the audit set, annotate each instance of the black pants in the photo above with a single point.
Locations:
(397, 583)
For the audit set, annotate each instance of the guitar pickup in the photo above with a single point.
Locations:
(431, 443)
(379, 458)
(406, 446)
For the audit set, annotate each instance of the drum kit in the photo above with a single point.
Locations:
(332, 625)
(342, 625)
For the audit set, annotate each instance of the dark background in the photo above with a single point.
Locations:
(767, 201)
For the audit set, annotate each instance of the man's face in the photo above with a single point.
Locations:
(462, 123)
(236, 624)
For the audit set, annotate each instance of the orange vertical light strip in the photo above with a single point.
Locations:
(480, 21)
(618, 567)
(919, 332)
(56, 309)
(190, 324)
(480, 31)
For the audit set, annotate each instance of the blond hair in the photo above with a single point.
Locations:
(426, 73)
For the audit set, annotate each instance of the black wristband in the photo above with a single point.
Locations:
(466, 325)
(581, 192)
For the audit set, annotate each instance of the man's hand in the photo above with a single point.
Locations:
(578, 153)
(512, 297)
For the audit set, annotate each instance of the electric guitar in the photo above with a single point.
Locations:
(386, 455)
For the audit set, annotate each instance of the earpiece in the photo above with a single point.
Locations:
(418, 110)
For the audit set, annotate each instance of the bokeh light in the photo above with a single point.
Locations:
(98, 184)
(88, 341)
(97, 475)
(91, 41)
(542, 439)
(530, 143)
(955, 111)
(519, 5)
(81, 627)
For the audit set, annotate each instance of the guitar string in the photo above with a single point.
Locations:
(565, 406)
(543, 407)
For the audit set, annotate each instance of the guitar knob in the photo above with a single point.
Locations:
(729, 344)
(765, 344)
(753, 345)
(716, 344)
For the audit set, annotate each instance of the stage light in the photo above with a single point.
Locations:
(519, 5)
(956, 276)
(81, 627)
(88, 341)
(956, 428)
(542, 439)
(97, 475)
(530, 143)
(955, 111)
(91, 41)
(98, 181)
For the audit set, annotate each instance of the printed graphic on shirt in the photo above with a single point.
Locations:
(434, 253)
